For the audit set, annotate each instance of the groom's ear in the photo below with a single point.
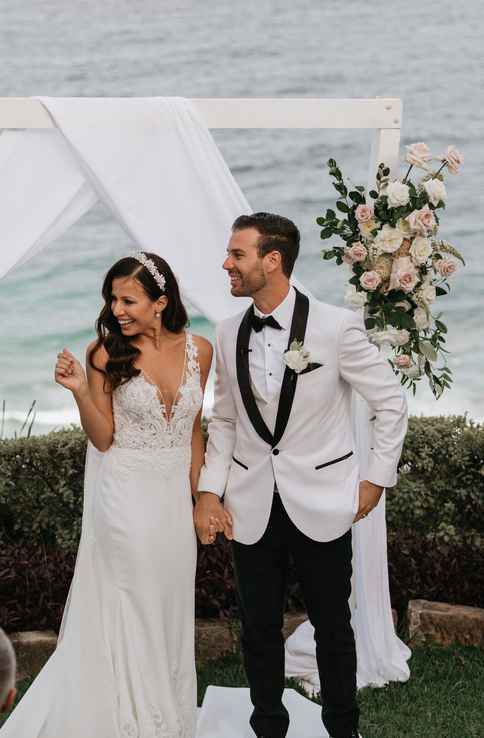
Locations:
(273, 261)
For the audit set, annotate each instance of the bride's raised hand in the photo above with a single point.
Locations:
(70, 373)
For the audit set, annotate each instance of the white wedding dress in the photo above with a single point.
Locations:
(124, 666)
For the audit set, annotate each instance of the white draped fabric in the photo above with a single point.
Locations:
(154, 164)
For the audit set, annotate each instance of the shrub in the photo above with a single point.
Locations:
(434, 525)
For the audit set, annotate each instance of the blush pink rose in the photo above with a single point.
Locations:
(421, 221)
(445, 267)
(403, 361)
(418, 154)
(407, 279)
(404, 275)
(357, 252)
(454, 159)
(370, 280)
(364, 213)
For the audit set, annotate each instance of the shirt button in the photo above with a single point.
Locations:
(275, 451)
(270, 374)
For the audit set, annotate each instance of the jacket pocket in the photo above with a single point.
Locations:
(334, 461)
(239, 463)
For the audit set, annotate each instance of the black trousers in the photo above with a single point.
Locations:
(324, 573)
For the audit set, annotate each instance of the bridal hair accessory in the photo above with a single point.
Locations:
(149, 264)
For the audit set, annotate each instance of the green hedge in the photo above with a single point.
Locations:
(434, 524)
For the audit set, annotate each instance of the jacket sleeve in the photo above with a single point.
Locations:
(221, 430)
(367, 371)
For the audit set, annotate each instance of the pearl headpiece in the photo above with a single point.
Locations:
(149, 264)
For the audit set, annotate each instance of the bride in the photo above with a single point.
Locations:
(124, 663)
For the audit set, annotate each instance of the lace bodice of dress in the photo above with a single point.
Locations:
(140, 417)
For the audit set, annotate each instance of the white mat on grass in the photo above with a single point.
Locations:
(226, 710)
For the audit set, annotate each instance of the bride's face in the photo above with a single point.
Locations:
(244, 265)
(132, 308)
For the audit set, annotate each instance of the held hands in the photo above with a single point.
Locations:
(70, 373)
(369, 498)
(211, 518)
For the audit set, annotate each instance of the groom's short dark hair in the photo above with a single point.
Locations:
(277, 234)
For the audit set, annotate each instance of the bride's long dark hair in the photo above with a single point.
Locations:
(122, 353)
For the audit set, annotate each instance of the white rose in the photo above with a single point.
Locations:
(391, 335)
(355, 299)
(389, 239)
(412, 372)
(402, 337)
(398, 194)
(454, 159)
(420, 249)
(295, 360)
(428, 293)
(418, 155)
(435, 190)
(421, 318)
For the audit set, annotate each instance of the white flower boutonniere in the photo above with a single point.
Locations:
(297, 357)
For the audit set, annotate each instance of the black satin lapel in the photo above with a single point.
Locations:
(243, 378)
(289, 382)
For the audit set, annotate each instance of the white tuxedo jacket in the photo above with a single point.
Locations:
(303, 440)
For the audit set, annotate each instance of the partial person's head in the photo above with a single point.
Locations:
(141, 297)
(261, 253)
(7, 673)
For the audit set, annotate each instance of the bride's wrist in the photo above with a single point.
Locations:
(82, 393)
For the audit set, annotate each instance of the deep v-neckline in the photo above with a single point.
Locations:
(176, 397)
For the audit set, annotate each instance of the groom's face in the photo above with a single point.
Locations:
(244, 264)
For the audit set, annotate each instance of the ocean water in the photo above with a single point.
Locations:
(425, 53)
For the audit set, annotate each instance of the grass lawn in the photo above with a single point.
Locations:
(444, 697)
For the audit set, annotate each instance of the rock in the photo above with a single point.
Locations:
(215, 638)
(32, 649)
(439, 622)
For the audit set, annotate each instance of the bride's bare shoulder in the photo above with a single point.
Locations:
(96, 354)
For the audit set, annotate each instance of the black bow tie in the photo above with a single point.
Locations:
(259, 323)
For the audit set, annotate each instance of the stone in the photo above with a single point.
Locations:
(439, 622)
(216, 638)
(32, 649)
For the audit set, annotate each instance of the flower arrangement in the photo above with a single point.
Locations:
(398, 265)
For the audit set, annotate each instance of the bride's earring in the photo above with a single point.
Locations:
(157, 315)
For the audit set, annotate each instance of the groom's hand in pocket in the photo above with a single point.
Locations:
(369, 498)
(211, 518)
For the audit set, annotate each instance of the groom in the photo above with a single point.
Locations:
(282, 454)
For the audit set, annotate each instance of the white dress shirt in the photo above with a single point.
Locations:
(266, 363)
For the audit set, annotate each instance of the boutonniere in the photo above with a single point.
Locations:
(297, 357)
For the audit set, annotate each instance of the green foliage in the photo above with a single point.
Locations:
(434, 518)
(41, 481)
(440, 492)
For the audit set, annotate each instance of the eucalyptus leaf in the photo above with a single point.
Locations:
(428, 350)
